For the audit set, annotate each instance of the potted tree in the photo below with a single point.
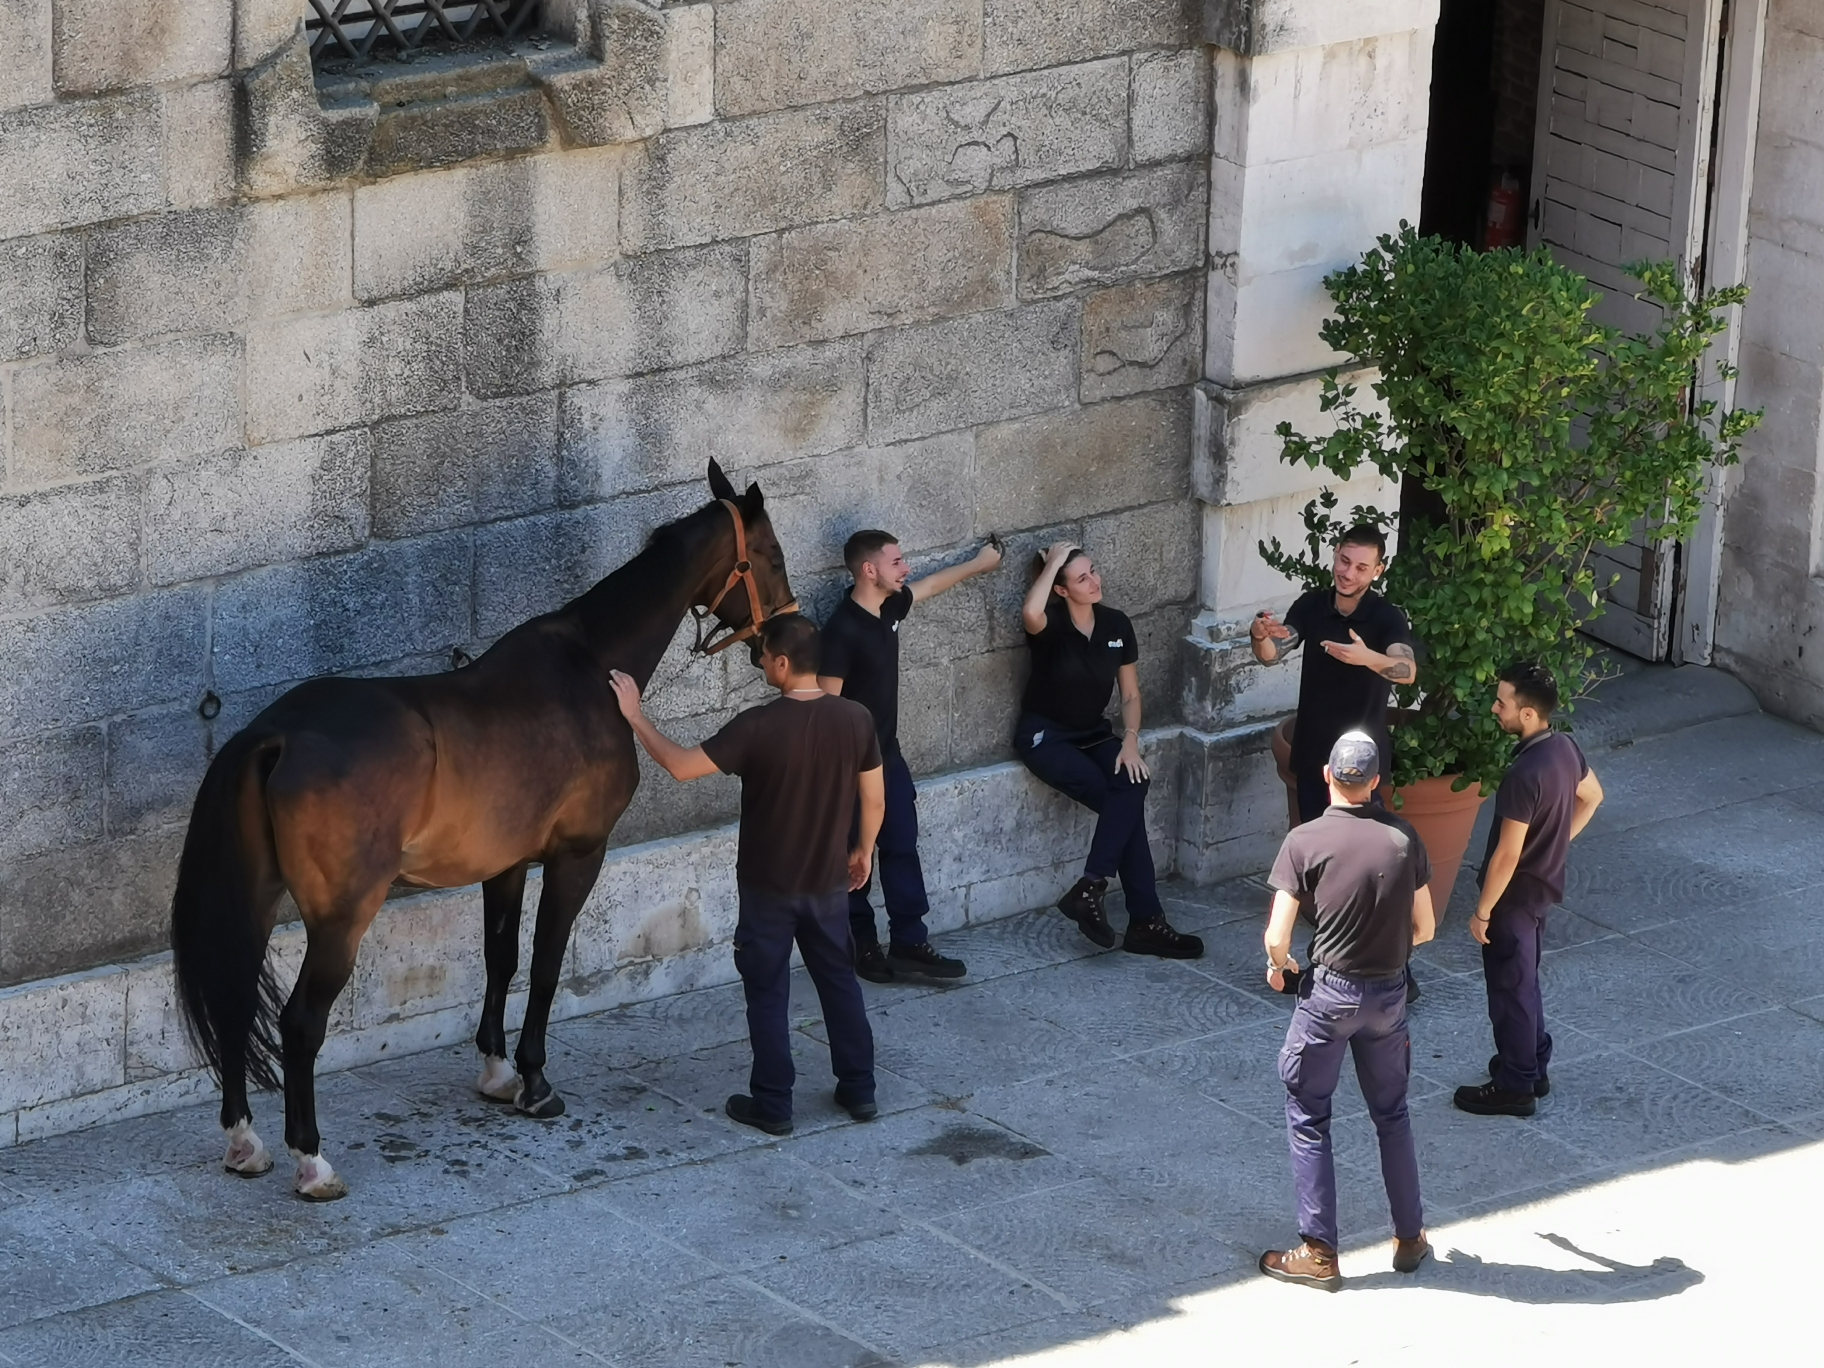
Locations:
(1528, 436)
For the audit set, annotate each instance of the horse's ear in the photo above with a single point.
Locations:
(719, 486)
(753, 501)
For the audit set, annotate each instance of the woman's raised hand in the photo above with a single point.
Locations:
(1057, 551)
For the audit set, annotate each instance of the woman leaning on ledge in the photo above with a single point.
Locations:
(1080, 649)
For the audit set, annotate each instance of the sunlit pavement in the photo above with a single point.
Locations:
(1080, 1156)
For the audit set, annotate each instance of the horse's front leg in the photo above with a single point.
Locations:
(501, 899)
(567, 884)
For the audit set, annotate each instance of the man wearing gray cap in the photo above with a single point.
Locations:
(1365, 872)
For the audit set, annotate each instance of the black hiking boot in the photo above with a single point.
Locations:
(1083, 905)
(740, 1107)
(924, 959)
(1157, 937)
(1488, 1100)
(858, 1111)
(871, 963)
(1542, 1085)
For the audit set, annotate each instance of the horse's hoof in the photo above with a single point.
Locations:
(498, 1082)
(543, 1108)
(317, 1181)
(247, 1157)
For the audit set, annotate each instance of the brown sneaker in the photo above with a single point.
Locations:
(1312, 1264)
(1409, 1254)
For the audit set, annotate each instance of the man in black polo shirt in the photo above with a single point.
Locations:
(1547, 796)
(1365, 872)
(1365, 647)
(804, 761)
(861, 661)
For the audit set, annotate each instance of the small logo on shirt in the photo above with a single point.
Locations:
(1037, 737)
(1118, 641)
(896, 626)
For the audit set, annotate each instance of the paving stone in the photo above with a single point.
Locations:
(1131, 1002)
(994, 135)
(51, 1266)
(1741, 759)
(1512, 1155)
(164, 1328)
(705, 1078)
(647, 1031)
(1771, 1064)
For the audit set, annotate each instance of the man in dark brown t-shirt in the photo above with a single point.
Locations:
(803, 760)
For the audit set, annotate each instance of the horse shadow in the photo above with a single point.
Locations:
(1611, 1282)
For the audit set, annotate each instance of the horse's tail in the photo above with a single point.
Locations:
(227, 991)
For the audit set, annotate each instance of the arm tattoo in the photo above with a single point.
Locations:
(1283, 646)
(1403, 668)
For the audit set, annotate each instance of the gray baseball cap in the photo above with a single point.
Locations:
(1354, 759)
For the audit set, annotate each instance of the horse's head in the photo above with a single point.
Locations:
(749, 584)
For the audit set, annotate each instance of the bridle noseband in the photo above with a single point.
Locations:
(743, 573)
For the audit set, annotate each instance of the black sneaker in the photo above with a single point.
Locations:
(1083, 905)
(1156, 937)
(858, 1111)
(871, 964)
(1542, 1086)
(740, 1107)
(924, 959)
(1488, 1100)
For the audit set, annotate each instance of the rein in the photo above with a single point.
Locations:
(743, 573)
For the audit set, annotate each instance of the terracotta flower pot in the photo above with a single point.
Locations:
(1444, 821)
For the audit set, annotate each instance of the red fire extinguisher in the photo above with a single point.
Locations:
(1503, 226)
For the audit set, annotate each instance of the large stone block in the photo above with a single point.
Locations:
(342, 613)
(1169, 105)
(1066, 465)
(472, 465)
(69, 543)
(273, 503)
(40, 295)
(80, 162)
(83, 415)
(1306, 101)
(50, 791)
(1142, 337)
(925, 705)
(774, 53)
(155, 763)
(986, 705)
(422, 131)
(664, 807)
(637, 68)
(1256, 28)
(532, 565)
(1020, 34)
(664, 899)
(919, 491)
(174, 273)
(25, 54)
(298, 254)
(1111, 229)
(261, 28)
(74, 665)
(738, 177)
(832, 279)
(648, 313)
(1235, 450)
(1147, 556)
(200, 145)
(1232, 813)
(101, 45)
(753, 410)
(65, 1039)
(425, 232)
(312, 374)
(82, 905)
(970, 370)
(993, 135)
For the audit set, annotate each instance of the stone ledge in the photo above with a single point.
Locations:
(108, 1043)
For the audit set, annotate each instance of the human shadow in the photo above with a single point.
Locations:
(1611, 1282)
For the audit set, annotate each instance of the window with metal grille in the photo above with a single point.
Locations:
(358, 30)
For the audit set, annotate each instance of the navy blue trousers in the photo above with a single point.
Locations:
(902, 878)
(769, 924)
(1337, 1015)
(1516, 1008)
(1081, 765)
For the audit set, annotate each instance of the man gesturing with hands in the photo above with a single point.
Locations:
(804, 760)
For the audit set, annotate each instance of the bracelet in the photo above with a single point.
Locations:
(1130, 731)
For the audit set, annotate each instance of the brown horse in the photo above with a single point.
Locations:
(343, 787)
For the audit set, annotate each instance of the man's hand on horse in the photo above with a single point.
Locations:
(626, 693)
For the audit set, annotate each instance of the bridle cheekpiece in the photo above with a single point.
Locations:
(743, 573)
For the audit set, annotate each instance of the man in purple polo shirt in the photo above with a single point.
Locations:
(1548, 795)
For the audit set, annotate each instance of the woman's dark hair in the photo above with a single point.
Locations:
(1534, 686)
(1038, 563)
(795, 637)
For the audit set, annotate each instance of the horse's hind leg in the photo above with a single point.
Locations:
(329, 959)
(247, 1154)
(567, 884)
(501, 899)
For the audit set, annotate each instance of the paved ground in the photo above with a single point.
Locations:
(1081, 1155)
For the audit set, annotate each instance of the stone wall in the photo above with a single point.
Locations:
(1770, 620)
(300, 380)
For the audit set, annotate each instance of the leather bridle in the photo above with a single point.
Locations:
(743, 573)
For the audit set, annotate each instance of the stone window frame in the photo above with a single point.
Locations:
(400, 29)
(599, 72)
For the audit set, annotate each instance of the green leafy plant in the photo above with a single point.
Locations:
(1538, 436)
